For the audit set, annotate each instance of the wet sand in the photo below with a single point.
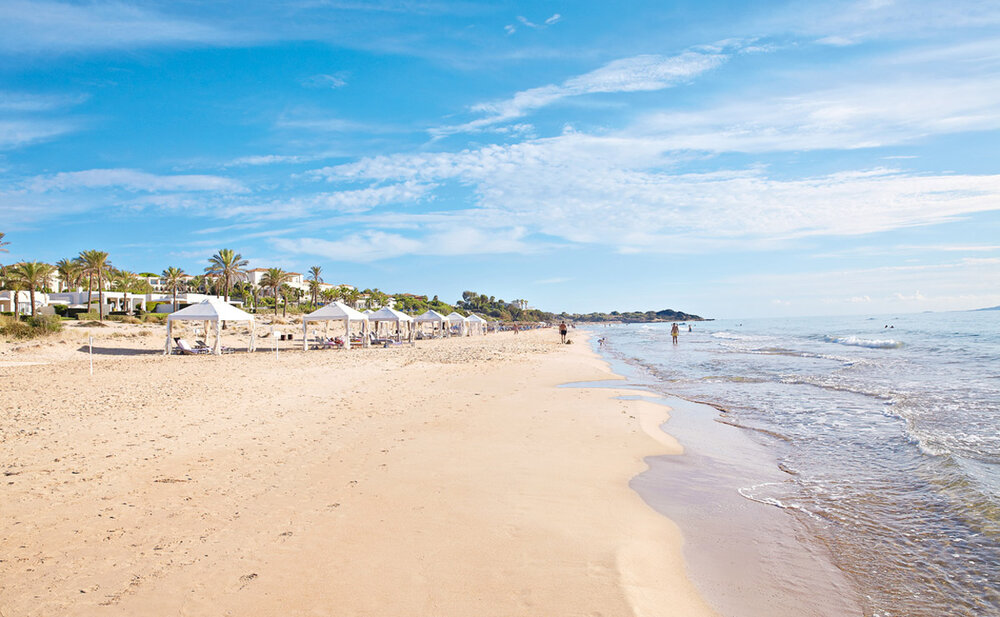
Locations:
(449, 478)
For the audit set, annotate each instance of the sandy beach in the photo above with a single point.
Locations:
(449, 478)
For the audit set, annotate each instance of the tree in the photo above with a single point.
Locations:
(70, 272)
(174, 278)
(314, 280)
(228, 266)
(2, 243)
(329, 295)
(30, 274)
(125, 281)
(273, 279)
(13, 284)
(95, 264)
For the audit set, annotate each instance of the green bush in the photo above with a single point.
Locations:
(87, 316)
(155, 317)
(122, 318)
(60, 309)
(45, 324)
(31, 328)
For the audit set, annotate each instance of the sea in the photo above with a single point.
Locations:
(857, 458)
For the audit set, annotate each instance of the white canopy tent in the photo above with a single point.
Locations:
(476, 324)
(209, 310)
(388, 316)
(436, 319)
(457, 321)
(336, 311)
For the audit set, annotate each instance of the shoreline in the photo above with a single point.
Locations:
(451, 478)
(745, 557)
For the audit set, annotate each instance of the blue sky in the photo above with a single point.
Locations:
(726, 158)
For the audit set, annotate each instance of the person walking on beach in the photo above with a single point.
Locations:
(562, 331)
(674, 331)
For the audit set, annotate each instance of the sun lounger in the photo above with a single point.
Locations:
(185, 348)
(202, 345)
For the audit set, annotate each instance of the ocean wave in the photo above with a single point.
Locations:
(871, 343)
(748, 493)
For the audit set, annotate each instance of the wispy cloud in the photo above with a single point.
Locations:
(443, 241)
(634, 74)
(860, 115)
(17, 133)
(31, 26)
(331, 81)
(134, 180)
(608, 190)
(28, 102)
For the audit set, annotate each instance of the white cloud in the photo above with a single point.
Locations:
(273, 159)
(638, 73)
(16, 133)
(30, 26)
(133, 180)
(376, 245)
(555, 18)
(860, 115)
(346, 201)
(26, 102)
(334, 81)
(619, 192)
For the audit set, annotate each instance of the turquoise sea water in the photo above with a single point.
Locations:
(887, 439)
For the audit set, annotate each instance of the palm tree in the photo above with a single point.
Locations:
(13, 284)
(70, 272)
(314, 280)
(228, 266)
(273, 279)
(95, 263)
(174, 277)
(31, 274)
(2, 243)
(329, 295)
(125, 281)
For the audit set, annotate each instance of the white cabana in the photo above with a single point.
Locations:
(476, 324)
(388, 317)
(457, 321)
(436, 319)
(207, 311)
(336, 311)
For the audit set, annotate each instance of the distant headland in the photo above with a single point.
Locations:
(633, 316)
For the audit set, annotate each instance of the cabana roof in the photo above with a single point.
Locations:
(335, 311)
(387, 314)
(475, 318)
(454, 316)
(430, 316)
(210, 309)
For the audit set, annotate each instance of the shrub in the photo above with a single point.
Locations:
(31, 328)
(45, 324)
(60, 309)
(123, 318)
(84, 316)
(155, 317)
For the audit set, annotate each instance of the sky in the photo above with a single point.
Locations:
(729, 159)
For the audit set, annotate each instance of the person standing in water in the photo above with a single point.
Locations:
(674, 331)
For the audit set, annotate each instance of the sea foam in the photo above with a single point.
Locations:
(871, 343)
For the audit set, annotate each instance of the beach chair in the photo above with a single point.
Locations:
(185, 348)
(203, 345)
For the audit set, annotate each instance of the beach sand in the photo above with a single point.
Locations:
(449, 478)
